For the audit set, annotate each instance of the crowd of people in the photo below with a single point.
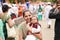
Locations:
(30, 29)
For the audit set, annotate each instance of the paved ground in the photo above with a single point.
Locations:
(47, 34)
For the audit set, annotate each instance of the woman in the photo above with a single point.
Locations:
(6, 19)
(23, 26)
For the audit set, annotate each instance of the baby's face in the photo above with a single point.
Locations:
(34, 20)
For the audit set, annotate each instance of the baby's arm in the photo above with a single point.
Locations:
(36, 30)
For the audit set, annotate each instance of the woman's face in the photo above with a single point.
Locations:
(27, 16)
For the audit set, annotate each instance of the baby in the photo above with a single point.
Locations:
(36, 28)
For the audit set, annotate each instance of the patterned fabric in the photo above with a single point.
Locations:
(4, 19)
(1, 30)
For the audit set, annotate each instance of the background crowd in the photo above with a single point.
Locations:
(11, 14)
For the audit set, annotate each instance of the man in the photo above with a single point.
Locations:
(55, 14)
(47, 9)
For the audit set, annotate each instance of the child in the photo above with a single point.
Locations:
(35, 28)
(35, 25)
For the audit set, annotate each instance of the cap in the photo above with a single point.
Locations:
(49, 3)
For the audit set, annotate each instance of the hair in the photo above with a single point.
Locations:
(5, 8)
(13, 16)
(25, 11)
(36, 18)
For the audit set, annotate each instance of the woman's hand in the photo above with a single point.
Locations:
(39, 36)
(0, 38)
(29, 28)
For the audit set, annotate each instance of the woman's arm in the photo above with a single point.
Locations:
(51, 14)
(20, 35)
(0, 38)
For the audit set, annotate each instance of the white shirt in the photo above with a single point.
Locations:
(47, 10)
(13, 9)
(36, 30)
(0, 10)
